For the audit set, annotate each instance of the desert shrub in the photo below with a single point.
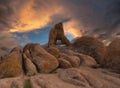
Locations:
(27, 84)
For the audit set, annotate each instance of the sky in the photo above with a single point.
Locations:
(26, 21)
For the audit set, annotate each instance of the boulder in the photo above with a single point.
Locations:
(73, 76)
(87, 60)
(90, 46)
(64, 63)
(57, 33)
(43, 61)
(54, 51)
(18, 51)
(84, 60)
(11, 66)
(29, 67)
(112, 57)
(85, 77)
(74, 60)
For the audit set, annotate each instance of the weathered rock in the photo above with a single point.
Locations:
(29, 67)
(57, 33)
(87, 60)
(112, 58)
(11, 66)
(17, 82)
(44, 61)
(18, 51)
(84, 60)
(89, 78)
(74, 60)
(83, 77)
(64, 63)
(54, 51)
(50, 81)
(90, 46)
(69, 52)
(73, 76)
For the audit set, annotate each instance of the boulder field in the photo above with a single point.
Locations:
(83, 63)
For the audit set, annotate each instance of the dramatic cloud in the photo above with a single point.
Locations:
(99, 18)
(8, 40)
(34, 14)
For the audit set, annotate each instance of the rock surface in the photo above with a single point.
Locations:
(89, 78)
(54, 51)
(87, 60)
(64, 63)
(43, 61)
(74, 60)
(112, 58)
(83, 77)
(29, 68)
(90, 46)
(57, 33)
(11, 66)
(84, 60)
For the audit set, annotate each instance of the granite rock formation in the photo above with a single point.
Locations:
(112, 57)
(90, 46)
(57, 33)
(44, 61)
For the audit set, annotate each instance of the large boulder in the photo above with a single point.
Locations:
(64, 63)
(81, 59)
(73, 76)
(74, 60)
(12, 66)
(18, 51)
(85, 77)
(87, 60)
(112, 58)
(54, 51)
(43, 61)
(29, 68)
(90, 46)
(57, 33)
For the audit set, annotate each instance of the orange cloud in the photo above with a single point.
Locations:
(72, 28)
(31, 19)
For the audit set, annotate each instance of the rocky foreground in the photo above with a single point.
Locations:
(82, 77)
(84, 63)
(36, 66)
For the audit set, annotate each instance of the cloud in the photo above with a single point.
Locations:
(100, 18)
(34, 14)
(8, 40)
(97, 18)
